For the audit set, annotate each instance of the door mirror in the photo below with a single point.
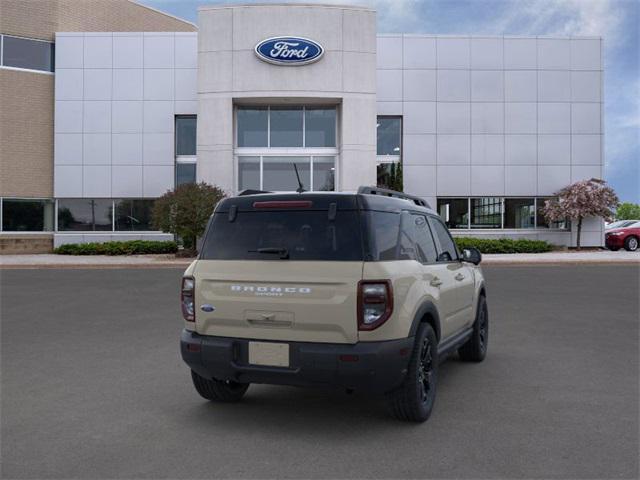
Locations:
(471, 255)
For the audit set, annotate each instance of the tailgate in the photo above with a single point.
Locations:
(302, 301)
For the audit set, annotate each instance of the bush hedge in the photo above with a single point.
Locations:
(131, 247)
(504, 245)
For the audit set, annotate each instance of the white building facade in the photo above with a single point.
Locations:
(484, 128)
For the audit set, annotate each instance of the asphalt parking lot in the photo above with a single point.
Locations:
(93, 387)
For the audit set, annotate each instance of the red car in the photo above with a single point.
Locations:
(627, 237)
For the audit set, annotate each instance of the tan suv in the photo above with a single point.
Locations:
(364, 291)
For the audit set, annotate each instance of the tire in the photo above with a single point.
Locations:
(218, 390)
(475, 349)
(413, 400)
(631, 243)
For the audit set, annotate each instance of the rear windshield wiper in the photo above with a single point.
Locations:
(283, 252)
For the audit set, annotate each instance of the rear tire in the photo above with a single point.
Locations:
(631, 244)
(218, 390)
(413, 400)
(475, 349)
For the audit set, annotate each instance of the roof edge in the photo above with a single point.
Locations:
(287, 4)
(137, 2)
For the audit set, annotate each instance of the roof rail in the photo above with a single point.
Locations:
(392, 193)
(251, 192)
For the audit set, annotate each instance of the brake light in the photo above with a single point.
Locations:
(187, 293)
(375, 303)
(284, 204)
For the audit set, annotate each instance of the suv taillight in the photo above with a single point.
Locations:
(375, 303)
(187, 293)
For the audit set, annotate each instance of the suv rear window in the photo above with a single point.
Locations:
(302, 234)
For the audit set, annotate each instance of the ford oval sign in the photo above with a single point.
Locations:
(289, 51)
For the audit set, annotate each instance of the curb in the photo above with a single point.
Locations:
(556, 263)
(101, 266)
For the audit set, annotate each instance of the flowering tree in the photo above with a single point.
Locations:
(185, 211)
(586, 198)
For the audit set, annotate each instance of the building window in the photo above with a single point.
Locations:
(486, 212)
(496, 212)
(519, 213)
(278, 173)
(454, 212)
(320, 127)
(275, 141)
(186, 135)
(26, 53)
(133, 215)
(323, 173)
(542, 222)
(286, 127)
(27, 215)
(85, 215)
(389, 136)
(253, 126)
(389, 152)
(281, 173)
(185, 173)
(186, 160)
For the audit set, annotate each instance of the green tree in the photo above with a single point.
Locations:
(186, 210)
(628, 211)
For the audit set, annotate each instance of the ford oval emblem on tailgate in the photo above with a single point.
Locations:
(207, 308)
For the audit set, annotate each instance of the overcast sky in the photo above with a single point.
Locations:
(617, 21)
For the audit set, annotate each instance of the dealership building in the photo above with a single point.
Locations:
(111, 104)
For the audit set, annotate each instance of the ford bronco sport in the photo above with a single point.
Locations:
(364, 291)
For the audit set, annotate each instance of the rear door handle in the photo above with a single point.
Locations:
(459, 277)
(435, 282)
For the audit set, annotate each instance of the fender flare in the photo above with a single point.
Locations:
(427, 308)
(482, 289)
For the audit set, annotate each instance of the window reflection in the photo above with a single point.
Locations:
(84, 214)
(389, 133)
(26, 215)
(454, 212)
(486, 212)
(133, 215)
(519, 213)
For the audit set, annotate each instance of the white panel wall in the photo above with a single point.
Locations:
(116, 95)
(514, 116)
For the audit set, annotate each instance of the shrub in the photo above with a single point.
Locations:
(504, 245)
(186, 211)
(132, 247)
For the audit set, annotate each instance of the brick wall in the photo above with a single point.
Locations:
(26, 116)
(42, 18)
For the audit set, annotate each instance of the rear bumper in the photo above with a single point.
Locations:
(368, 366)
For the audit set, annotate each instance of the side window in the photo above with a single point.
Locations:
(383, 230)
(407, 242)
(447, 251)
(424, 240)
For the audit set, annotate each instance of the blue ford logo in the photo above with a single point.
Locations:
(289, 50)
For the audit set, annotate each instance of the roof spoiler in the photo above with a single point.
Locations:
(392, 193)
(252, 192)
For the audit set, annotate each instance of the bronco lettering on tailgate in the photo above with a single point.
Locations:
(271, 291)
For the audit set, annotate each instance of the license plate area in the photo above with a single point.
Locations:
(269, 354)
